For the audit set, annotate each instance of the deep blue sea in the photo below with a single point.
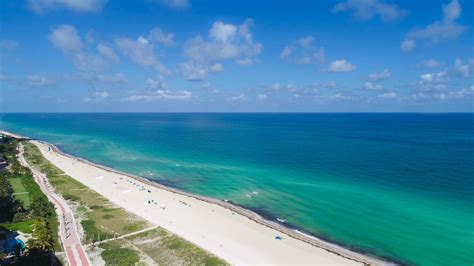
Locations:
(400, 186)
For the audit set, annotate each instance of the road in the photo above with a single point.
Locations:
(68, 231)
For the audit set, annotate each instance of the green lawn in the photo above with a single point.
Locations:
(24, 226)
(20, 191)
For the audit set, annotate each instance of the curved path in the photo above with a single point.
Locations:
(69, 236)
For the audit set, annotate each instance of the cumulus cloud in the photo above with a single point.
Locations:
(303, 52)
(462, 69)
(262, 97)
(97, 96)
(101, 94)
(434, 77)
(442, 96)
(224, 42)
(369, 9)
(141, 52)
(112, 79)
(160, 37)
(372, 86)
(385, 74)
(286, 52)
(341, 65)
(161, 95)
(175, 4)
(408, 45)
(237, 98)
(107, 52)
(330, 84)
(432, 82)
(447, 28)
(8, 44)
(38, 81)
(41, 6)
(89, 61)
(336, 97)
(387, 95)
(65, 38)
(430, 63)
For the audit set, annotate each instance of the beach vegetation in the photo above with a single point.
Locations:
(166, 248)
(25, 209)
(115, 254)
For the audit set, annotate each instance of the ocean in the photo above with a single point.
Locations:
(400, 186)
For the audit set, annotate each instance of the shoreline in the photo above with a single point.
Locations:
(295, 233)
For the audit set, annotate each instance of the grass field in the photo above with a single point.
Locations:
(19, 191)
(23, 226)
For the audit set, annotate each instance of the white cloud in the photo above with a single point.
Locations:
(65, 38)
(432, 82)
(141, 52)
(223, 32)
(430, 63)
(113, 79)
(161, 95)
(434, 77)
(369, 9)
(236, 98)
(341, 65)
(155, 84)
(160, 37)
(225, 42)
(262, 97)
(8, 44)
(306, 42)
(451, 11)
(438, 31)
(447, 28)
(41, 6)
(387, 95)
(96, 97)
(461, 69)
(88, 62)
(442, 96)
(319, 56)
(408, 45)
(385, 74)
(302, 52)
(336, 97)
(38, 81)
(100, 94)
(286, 52)
(372, 86)
(175, 4)
(193, 72)
(246, 61)
(107, 52)
(217, 68)
(330, 85)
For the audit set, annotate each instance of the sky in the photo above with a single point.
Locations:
(236, 56)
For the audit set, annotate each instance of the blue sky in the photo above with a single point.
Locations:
(236, 56)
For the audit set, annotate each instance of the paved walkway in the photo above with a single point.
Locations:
(69, 236)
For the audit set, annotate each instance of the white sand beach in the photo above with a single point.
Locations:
(234, 234)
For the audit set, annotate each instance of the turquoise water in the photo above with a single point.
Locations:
(400, 186)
